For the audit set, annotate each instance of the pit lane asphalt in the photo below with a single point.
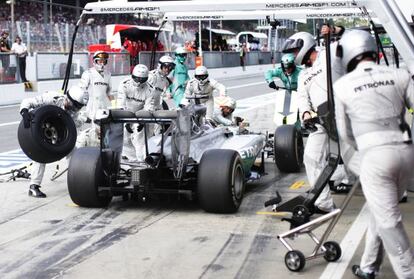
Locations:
(53, 238)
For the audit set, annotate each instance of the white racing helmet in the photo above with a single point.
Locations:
(100, 59)
(140, 74)
(303, 42)
(77, 96)
(201, 74)
(354, 46)
(226, 101)
(166, 61)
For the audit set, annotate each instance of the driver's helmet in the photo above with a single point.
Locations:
(140, 74)
(303, 43)
(100, 59)
(166, 61)
(201, 74)
(77, 97)
(181, 54)
(288, 60)
(226, 101)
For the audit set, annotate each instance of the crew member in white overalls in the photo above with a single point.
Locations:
(312, 92)
(72, 102)
(203, 87)
(370, 103)
(135, 93)
(97, 82)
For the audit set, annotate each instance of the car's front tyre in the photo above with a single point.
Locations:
(221, 181)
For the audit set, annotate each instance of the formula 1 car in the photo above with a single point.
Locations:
(189, 157)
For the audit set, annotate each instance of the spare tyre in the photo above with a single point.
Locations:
(51, 135)
(288, 148)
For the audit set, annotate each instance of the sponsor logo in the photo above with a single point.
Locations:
(374, 84)
(136, 99)
(311, 76)
(199, 17)
(308, 5)
(249, 152)
(130, 9)
(100, 83)
(316, 15)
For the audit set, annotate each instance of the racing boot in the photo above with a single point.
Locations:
(342, 188)
(404, 198)
(357, 271)
(35, 192)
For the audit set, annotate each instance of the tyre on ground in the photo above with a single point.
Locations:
(220, 181)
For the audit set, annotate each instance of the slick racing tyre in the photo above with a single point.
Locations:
(51, 135)
(288, 148)
(85, 176)
(220, 181)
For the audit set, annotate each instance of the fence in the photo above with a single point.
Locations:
(52, 65)
(8, 68)
(214, 59)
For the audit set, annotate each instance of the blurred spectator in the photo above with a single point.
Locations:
(188, 46)
(128, 45)
(160, 46)
(264, 48)
(19, 48)
(243, 51)
(4, 48)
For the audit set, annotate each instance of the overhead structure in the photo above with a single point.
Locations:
(387, 11)
(106, 7)
(259, 14)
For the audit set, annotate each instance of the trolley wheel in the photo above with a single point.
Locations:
(333, 251)
(295, 260)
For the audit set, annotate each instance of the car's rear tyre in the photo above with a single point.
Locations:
(220, 181)
(85, 175)
(288, 148)
(51, 135)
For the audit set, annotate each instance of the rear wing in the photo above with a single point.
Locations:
(142, 116)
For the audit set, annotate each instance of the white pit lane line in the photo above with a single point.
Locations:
(348, 245)
(245, 85)
(9, 123)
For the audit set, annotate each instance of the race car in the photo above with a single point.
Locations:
(189, 157)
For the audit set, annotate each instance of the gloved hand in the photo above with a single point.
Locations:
(140, 127)
(128, 128)
(238, 120)
(309, 124)
(26, 117)
(273, 85)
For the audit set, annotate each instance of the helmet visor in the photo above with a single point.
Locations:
(139, 79)
(291, 45)
(201, 77)
(169, 66)
(102, 55)
(183, 55)
(75, 105)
